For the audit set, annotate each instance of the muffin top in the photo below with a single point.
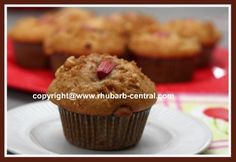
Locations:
(81, 76)
(35, 29)
(30, 30)
(157, 43)
(83, 40)
(66, 16)
(131, 21)
(106, 23)
(204, 31)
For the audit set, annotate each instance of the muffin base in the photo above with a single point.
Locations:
(56, 60)
(205, 57)
(30, 55)
(103, 132)
(165, 70)
(129, 55)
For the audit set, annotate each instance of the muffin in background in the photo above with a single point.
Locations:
(128, 23)
(102, 124)
(66, 16)
(204, 31)
(164, 56)
(131, 21)
(105, 23)
(82, 39)
(29, 33)
(27, 36)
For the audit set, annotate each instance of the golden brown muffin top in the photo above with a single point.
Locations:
(30, 30)
(66, 16)
(79, 75)
(33, 29)
(204, 31)
(131, 21)
(83, 40)
(106, 23)
(157, 43)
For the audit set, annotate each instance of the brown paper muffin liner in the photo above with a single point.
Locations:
(103, 132)
(30, 55)
(129, 55)
(205, 57)
(165, 70)
(56, 60)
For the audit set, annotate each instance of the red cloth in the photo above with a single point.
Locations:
(203, 80)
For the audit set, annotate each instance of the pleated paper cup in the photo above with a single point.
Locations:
(103, 132)
(205, 56)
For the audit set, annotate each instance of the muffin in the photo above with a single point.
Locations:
(27, 36)
(67, 16)
(82, 39)
(204, 31)
(102, 123)
(105, 23)
(164, 56)
(130, 21)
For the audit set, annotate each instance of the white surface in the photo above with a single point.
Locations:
(36, 129)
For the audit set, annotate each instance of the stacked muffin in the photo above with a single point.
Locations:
(168, 52)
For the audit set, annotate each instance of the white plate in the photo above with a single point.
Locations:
(36, 129)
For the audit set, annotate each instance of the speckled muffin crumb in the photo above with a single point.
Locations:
(83, 40)
(78, 75)
(105, 22)
(204, 31)
(157, 43)
(30, 30)
(66, 16)
(131, 21)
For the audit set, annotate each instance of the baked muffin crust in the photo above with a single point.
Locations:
(30, 30)
(204, 31)
(83, 40)
(66, 16)
(131, 21)
(157, 43)
(78, 75)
